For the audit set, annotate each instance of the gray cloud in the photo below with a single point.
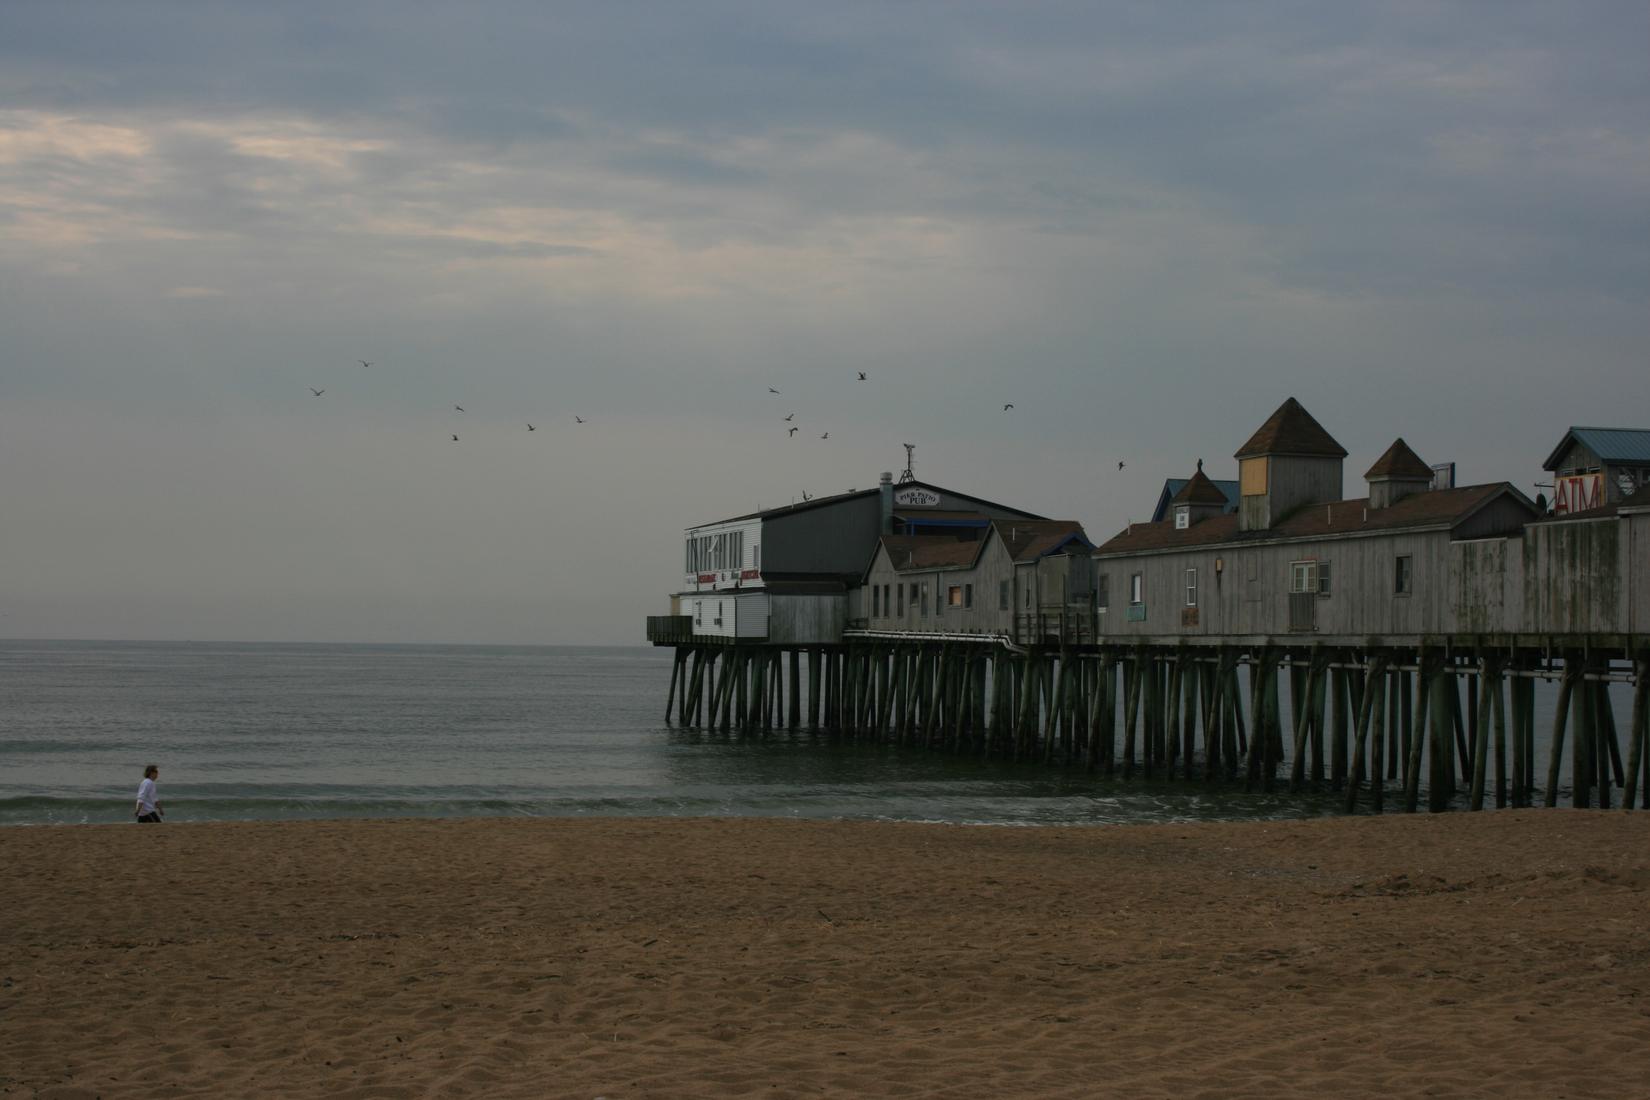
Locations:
(1144, 225)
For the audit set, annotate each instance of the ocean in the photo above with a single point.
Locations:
(286, 731)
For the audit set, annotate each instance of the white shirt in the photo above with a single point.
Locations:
(147, 796)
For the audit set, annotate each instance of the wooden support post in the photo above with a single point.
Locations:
(1371, 693)
(1302, 689)
(1171, 715)
(1480, 710)
(1499, 717)
(813, 689)
(1107, 705)
(1440, 751)
(1561, 716)
(690, 689)
(676, 657)
(1581, 743)
(1257, 712)
(793, 716)
(1133, 674)
(1406, 711)
(1607, 734)
(1339, 691)
(1515, 702)
(1637, 732)
(1412, 768)
(1378, 722)
(1190, 695)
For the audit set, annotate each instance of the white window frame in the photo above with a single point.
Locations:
(1137, 589)
(1303, 576)
(1191, 587)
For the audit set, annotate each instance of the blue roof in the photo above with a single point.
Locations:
(1609, 444)
(1172, 487)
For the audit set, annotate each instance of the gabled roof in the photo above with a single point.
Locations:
(1610, 444)
(1173, 485)
(858, 494)
(1291, 431)
(1437, 508)
(930, 551)
(1029, 540)
(1199, 490)
(1399, 463)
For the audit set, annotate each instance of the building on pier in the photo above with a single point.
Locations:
(1592, 467)
(786, 576)
(1399, 566)
(1030, 581)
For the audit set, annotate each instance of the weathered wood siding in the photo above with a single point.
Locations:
(1249, 594)
(985, 616)
(807, 619)
(1576, 576)
(1291, 482)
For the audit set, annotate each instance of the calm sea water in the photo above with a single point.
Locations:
(262, 731)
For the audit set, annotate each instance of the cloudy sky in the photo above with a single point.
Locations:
(1145, 225)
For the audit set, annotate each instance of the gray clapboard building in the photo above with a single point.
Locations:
(790, 576)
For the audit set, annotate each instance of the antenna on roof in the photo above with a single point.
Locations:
(907, 474)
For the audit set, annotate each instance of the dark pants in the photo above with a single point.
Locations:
(149, 819)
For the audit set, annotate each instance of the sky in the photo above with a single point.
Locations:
(1145, 225)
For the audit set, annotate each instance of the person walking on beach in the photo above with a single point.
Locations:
(148, 798)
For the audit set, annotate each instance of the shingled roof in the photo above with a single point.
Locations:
(1029, 540)
(1342, 517)
(1200, 490)
(1291, 431)
(1401, 463)
(930, 551)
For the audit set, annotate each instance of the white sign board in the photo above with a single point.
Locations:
(916, 498)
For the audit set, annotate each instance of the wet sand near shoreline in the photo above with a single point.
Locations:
(1501, 954)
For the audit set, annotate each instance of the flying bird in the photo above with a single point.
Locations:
(772, 390)
(316, 392)
(531, 428)
(363, 362)
(455, 439)
(460, 408)
(827, 435)
(861, 376)
(805, 495)
(1120, 465)
(580, 419)
(1008, 406)
(791, 417)
(793, 431)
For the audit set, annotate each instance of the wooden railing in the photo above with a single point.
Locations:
(669, 629)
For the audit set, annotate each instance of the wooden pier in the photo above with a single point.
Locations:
(1388, 727)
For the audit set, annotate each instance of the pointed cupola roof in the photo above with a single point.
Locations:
(1200, 490)
(1291, 431)
(1399, 462)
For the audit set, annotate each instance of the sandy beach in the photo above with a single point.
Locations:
(1501, 954)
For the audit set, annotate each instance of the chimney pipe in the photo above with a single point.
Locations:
(885, 488)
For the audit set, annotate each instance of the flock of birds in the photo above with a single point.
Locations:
(789, 417)
(460, 408)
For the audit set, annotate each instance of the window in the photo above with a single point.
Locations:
(1403, 578)
(1323, 578)
(1182, 518)
(914, 590)
(887, 604)
(1191, 588)
(953, 596)
(1002, 596)
(968, 595)
(1027, 600)
(1137, 588)
(876, 600)
(756, 557)
(1303, 576)
(899, 592)
(1252, 476)
(925, 599)
(1102, 597)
